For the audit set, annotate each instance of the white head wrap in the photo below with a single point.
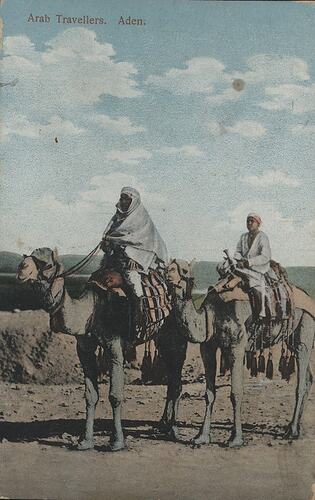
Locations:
(255, 216)
(135, 231)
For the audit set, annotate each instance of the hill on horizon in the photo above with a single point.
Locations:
(204, 271)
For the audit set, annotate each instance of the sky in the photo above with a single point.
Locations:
(207, 108)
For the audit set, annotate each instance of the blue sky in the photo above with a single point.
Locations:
(155, 106)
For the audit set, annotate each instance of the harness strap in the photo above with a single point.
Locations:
(80, 264)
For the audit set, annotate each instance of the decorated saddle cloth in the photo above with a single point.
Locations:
(155, 300)
(231, 288)
(274, 297)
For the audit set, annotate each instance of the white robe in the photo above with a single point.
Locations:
(258, 256)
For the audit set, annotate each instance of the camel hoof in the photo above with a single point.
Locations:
(291, 434)
(200, 440)
(117, 445)
(85, 444)
(235, 442)
(173, 434)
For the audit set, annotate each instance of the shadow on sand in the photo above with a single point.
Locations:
(44, 430)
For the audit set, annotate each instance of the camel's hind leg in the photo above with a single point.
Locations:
(208, 353)
(304, 375)
(237, 390)
(86, 347)
(114, 347)
(173, 348)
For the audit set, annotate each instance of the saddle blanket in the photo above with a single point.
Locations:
(227, 293)
(156, 301)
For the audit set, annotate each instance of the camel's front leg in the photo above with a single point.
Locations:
(173, 349)
(304, 374)
(114, 349)
(208, 353)
(237, 389)
(86, 347)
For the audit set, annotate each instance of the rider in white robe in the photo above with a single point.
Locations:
(253, 255)
(132, 238)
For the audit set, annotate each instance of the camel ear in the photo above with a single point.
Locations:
(55, 254)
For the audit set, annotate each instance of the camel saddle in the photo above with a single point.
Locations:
(155, 300)
(231, 288)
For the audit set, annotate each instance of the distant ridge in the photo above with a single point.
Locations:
(10, 260)
(204, 271)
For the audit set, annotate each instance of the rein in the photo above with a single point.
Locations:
(80, 265)
(50, 302)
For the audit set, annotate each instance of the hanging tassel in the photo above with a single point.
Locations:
(291, 364)
(282, 363)
(249, 356)
(130, 354)
(222, 364)
(286, 372)
(269, 368)
(253, 369)
(159, 375)
(102, 363)
(146, 366)
(261, 362)
(227, 361)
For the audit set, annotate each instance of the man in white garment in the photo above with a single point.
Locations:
(253, 249)
(253, 255)
(131, 241)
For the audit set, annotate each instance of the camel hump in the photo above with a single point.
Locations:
(303, 301)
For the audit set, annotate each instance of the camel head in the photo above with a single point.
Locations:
(27, 270)
(40, 264)
(43, 270)
(179, 276)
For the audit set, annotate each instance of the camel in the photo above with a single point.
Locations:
(224, 325)
(72, 317)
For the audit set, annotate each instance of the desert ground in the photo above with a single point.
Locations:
(40, 422)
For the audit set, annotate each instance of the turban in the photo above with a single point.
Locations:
(255, 216)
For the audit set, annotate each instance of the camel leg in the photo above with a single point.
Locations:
(208, 354)
(237, 389)
(114, 349)
(173, 350)
(304, 374)
(86, 347)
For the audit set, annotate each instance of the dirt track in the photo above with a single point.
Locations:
(39, 426)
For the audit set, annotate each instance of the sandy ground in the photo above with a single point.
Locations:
(39, 426)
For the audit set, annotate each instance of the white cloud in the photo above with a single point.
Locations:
(130, 157)
(246, 128)
(76, 226)
(121, 125)
(199, 76)
(20, 46)
(104, 192)
(228, 94)
(106, 189)
(273, 68)
(19, 125)
(303, 129)
(189, 151)
(50, 202)
(295, 98)
(73, 70)
(208, 76)
(272, 178)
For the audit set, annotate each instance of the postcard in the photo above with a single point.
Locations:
(157, 266)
